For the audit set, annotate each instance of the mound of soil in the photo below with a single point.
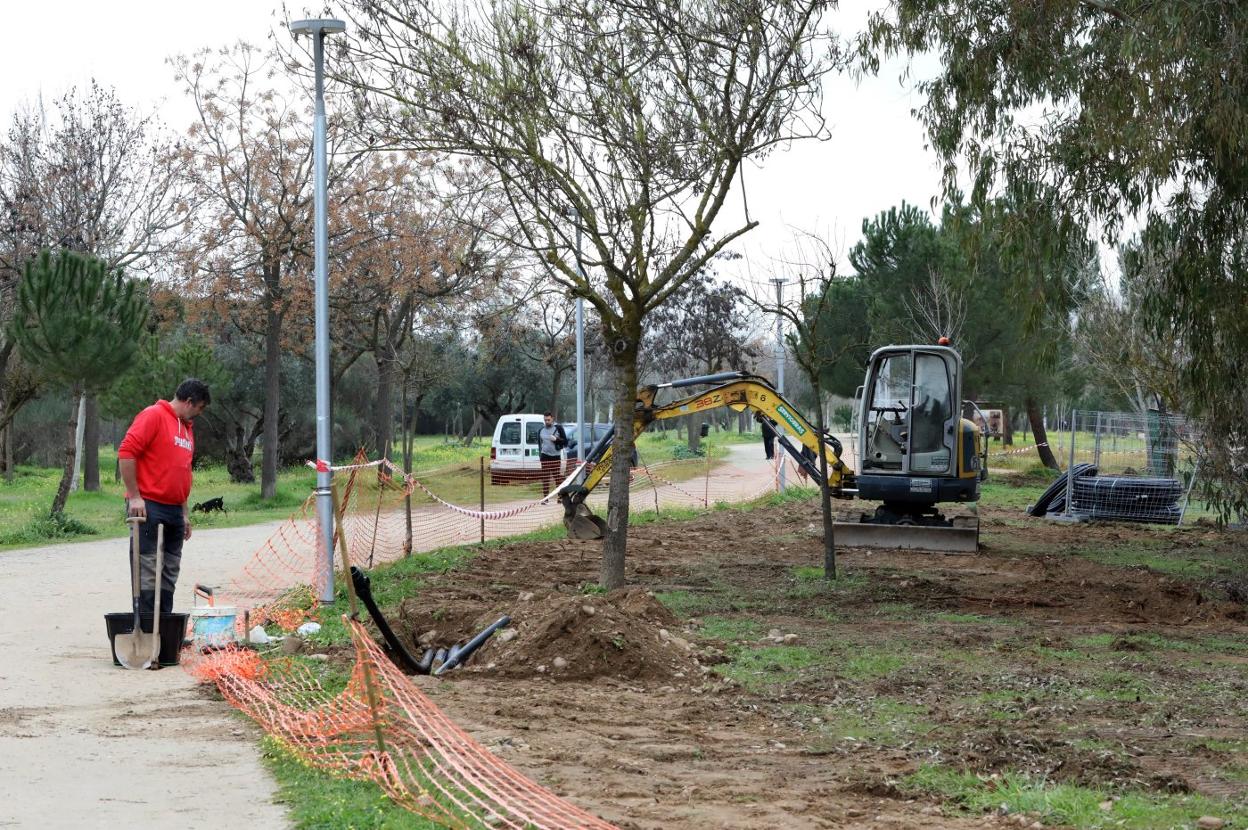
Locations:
(625, 635)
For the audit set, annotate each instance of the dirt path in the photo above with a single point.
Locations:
(86, 744)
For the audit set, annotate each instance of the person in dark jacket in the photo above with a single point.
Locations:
(551, 439)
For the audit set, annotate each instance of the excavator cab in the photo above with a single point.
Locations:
(915, 450)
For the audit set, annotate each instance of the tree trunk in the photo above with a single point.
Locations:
(272, 398)
(91, 448)
(615, 543)
(695, 431)
(81, 406)
(383, 417)
(238, 458)
(1042, 438)
(67, 475)
(1007, 428)
(474, 430)
(554, 393)
(825, 494)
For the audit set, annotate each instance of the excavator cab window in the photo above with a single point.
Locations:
(930, 412)
(888, 416)
(907, 416)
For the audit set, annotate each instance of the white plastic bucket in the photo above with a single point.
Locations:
(212, 626)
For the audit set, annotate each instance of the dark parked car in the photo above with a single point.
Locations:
(597, 433)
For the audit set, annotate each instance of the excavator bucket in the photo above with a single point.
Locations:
(956, 539)
(583, 524)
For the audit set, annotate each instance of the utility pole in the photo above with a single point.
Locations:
(779, 282)
(580, 354)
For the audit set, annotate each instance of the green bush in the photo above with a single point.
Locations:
(47, 527)
(682, 452)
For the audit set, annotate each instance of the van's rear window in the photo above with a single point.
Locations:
(510, 433)
(533, 432)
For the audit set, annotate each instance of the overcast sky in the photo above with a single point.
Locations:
(875, 158)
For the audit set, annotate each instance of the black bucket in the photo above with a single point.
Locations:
(172, 632)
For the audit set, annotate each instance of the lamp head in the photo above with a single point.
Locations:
(313, 28)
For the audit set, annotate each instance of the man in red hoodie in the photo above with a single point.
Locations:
(155, 459)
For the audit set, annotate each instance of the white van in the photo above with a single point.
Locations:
(514, 457)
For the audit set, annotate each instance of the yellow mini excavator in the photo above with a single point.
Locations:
(915, 451)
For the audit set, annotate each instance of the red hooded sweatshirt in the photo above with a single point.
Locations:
(162, 446)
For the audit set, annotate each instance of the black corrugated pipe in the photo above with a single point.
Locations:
(398, 653)
(462, 654)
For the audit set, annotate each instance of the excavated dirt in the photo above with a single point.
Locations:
(626, 634)
(1028, 656)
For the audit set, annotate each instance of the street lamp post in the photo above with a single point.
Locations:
(575, 215)
(580, 354)
(779, 282)
(317, 30)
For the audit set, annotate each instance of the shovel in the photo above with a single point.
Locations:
(154, 659)
(134, 649)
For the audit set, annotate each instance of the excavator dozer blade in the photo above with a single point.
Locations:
(584, 524)
(907, 537)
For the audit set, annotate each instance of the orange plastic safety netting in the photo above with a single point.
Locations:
(397, 737)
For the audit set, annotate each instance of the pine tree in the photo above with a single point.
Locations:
(78, 324)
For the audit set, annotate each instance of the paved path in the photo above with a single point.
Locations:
(86, 744)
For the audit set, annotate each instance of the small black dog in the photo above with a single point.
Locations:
(212, 504)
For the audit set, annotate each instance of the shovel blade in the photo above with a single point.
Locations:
(135, 649)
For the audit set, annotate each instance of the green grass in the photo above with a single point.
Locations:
(759, 668)
(865, 664)
(1147, 641)
(24, 503)
(1158, 554)
(1067, 804)
(320, 801)
(699, 603)
(731, 628)
(882, 722)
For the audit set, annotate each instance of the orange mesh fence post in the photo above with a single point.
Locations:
(355, 611)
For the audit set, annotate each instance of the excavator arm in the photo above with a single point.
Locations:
(736, 390)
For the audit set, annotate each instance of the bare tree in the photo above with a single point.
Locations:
(402, 245)
(550, 340)
(94, 176)
(825, 326)
(630, 120)
(936, 309)
(249, 163)
(704, 333)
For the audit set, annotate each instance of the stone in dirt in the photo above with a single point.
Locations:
(1210, 823)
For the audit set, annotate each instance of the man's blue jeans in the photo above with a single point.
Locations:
(170, 516)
